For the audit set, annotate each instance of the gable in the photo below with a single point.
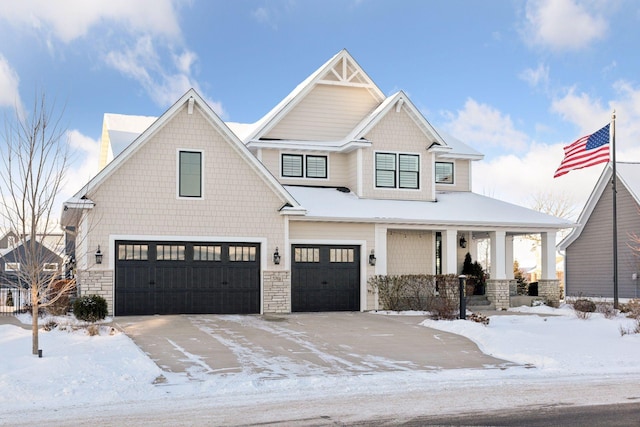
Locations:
(328, 113)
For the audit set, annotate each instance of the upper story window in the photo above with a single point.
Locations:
(444, 172)
(303, 166)
(12, 266)
(394, 170)
(50, 266)
(190, 174)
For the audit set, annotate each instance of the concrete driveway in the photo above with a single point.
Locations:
(308, 344)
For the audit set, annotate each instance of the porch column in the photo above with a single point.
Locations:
(509, 257)
(498, 254)
(549, 285)
(449, 252)
(498, 285)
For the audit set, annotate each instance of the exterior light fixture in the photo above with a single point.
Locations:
(98, 256)
(276, 257)
(463, 242)
(372, 258)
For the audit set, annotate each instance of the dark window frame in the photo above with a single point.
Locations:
(182, 192)
(398, 172)
(304, 166)
(440, 181)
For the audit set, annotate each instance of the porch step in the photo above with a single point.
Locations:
(479, 303)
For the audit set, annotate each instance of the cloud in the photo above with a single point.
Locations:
(67, 20)
(536, 77)
(580, 109)
(164, 76)
(266, 17)
(563, 24)
(481, 125)
(9, 84)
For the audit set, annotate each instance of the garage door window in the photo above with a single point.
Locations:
(341, 255)
(170, 252)
(242, 253)
(133, 252)
(307, 255)
(207, 253)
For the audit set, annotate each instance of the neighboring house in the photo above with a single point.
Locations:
(14, 264)
(338, 182)
(589, 268)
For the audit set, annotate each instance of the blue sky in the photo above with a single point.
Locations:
(516, 80)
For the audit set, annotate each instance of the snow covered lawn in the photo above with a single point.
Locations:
(108, 369)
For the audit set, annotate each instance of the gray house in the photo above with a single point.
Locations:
(589, 247)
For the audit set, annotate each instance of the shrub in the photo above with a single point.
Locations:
(583, 308)
(479, 318)
(9, 302)
(63, 304)
(90, 308)
(437, 293)
(606, 309)
(632, 308)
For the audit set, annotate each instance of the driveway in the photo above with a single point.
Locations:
(302, 344)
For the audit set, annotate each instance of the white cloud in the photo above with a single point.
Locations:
(481, 125)
(265, 16)
(536, 77)
(582, 110)
(85, 156)
(164, 82)
(563, 24)
(68, 20)
(9, 84)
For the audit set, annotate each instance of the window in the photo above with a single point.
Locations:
(206, 253)
(133, 252)
(304, 166)
(307, 255)
(170, 252)
(341, 255)
(12, 266)
(190, 174)
(50, 266)
(397, 170)
(444, 173)
(242, 253)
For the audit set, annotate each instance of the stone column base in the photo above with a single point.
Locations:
(277, 292)
(498, 293)
(550, 290)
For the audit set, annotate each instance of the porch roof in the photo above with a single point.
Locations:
(451, 209)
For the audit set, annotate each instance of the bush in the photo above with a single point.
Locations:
(435, 293)
(63, 304)
(606, 309)
(9, 302)
(584, 305)
(632, 308)
(479, 318)
(90, 308)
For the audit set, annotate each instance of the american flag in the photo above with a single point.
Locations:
(588, 151)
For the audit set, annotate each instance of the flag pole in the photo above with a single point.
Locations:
(614, 181)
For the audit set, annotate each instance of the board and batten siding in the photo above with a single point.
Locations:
(327, 113)
(589, 259)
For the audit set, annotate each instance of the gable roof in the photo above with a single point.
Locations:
(340, 70)
(190, 98)
(628, 174)
(120, 130)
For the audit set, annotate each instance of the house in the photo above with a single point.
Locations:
(589, 267)
(338, 182)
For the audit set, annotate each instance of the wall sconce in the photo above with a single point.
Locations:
(372, 258)
(463, 242)
(98, 256)
(276, 257)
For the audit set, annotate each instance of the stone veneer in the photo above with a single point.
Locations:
(550, 290)
(277, 291)
(498, 293)
(97, 282)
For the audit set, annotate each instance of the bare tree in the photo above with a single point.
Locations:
(32, 172)
(560, 205)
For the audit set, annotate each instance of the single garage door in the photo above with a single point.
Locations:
(325, 278)
(186, 278)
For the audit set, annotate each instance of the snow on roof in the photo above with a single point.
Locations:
(458, 148)
(629, 174)
(124, 129)
(454, 208)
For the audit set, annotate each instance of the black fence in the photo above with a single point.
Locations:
(14, 299)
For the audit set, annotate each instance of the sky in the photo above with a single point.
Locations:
(107, 378)
(516, 80)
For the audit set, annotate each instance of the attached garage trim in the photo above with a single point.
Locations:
(329, 242)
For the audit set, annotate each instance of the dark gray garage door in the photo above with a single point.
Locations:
(325, 278)
(186, 278)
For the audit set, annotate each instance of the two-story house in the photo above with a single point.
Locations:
(337, 183)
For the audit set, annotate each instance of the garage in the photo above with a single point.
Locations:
(325, 278)
(186, 278)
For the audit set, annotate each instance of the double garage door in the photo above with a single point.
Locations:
(186, 278)
(154, 277)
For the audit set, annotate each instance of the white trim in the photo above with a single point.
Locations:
(359, 163)
(304, 166)
(15, 266)
(364, 260)
(397, 171)
(202, 173)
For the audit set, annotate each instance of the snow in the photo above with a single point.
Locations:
(78, 372)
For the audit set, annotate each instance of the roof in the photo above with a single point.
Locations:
(450, 209)
(191, 98)
(628, 174)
